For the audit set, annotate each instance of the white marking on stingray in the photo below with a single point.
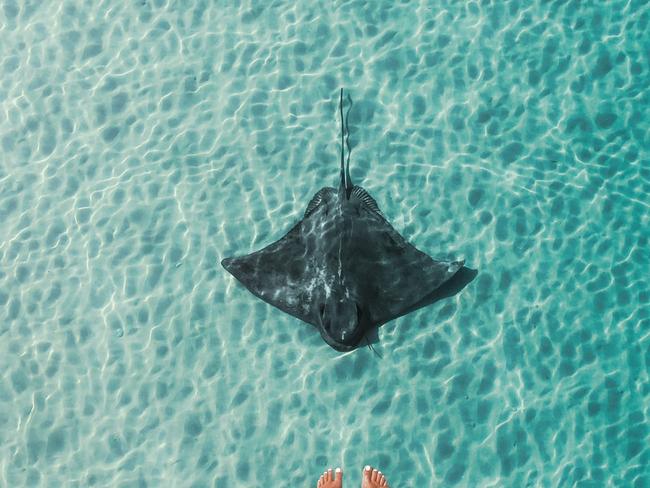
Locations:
(291, 300)
(321, 279)
(328, 290)
(340, 260)
(318, 279)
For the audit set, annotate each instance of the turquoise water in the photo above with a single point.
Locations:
(141, 142)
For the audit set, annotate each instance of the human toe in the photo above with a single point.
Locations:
(382, 480)
(339, 475)
(367, 473)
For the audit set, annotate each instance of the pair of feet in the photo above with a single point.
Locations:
(371, 478)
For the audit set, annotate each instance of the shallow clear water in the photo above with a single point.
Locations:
(142, 142)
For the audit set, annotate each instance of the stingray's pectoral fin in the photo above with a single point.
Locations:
(235, 266)
(411, 283)
(434, 274)
(453, 267)
(441, 280)
(280, 274)
(437, 273)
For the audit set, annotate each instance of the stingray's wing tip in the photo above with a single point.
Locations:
(227, 262)
(454, 266)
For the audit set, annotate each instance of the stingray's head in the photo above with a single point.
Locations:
(342, 323)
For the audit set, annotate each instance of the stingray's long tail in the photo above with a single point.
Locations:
(347, 141)
(346, 181)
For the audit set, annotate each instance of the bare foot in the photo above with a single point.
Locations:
(371, 478)
(331, 479)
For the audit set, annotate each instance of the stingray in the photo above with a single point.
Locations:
(343, 267)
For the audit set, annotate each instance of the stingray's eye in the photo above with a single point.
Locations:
(322, 310)
(359, 313)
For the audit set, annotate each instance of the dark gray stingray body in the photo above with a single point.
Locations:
(342, 268)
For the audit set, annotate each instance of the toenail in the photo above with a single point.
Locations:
(338, 470)
(367, 468)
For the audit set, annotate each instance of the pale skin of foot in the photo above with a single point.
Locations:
(370, 478)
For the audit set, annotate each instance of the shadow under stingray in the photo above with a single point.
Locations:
(463, 277)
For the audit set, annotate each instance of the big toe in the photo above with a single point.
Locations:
(367, 477)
